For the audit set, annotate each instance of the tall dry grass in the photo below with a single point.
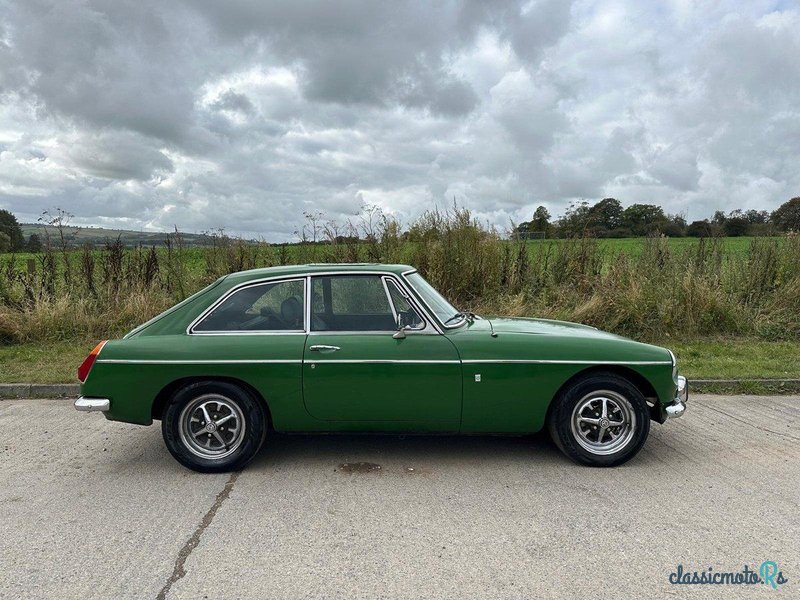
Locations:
(657, 293)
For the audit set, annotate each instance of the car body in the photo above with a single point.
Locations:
(364, 348)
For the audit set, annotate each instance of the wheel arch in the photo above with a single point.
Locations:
(637, 379)
(169, 390)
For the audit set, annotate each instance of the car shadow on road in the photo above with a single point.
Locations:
(409, 452)
(420, 454)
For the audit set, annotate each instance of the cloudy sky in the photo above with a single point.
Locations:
(243, 114)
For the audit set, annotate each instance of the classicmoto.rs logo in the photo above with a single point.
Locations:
(767, 573)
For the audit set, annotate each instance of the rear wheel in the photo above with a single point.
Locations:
(213, 427)
(601, 420)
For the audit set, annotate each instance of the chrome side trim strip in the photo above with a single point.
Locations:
(222, 333)
(122, 361)
(329, 332)
(290, 361)
(385, 361)
(566, 362)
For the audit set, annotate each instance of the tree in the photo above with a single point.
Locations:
(675, 226)
(5, 242)
(575, 220)
(541, 220)
(787, 216)
(34, 243)
(643, 219)
(736, 224)
(606, 214)
(699, 229)
(10, 227)
(757, 217)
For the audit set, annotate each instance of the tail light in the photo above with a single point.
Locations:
(86, 365)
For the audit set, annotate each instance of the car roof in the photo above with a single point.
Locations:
(310, 269)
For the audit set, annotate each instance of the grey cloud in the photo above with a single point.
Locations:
(119, 156)
(233, 101)
(539, 25)
(243, 114)
(676, 167)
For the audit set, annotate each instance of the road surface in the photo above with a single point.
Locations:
(91, 508)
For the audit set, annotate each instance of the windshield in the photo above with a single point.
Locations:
(443, 310)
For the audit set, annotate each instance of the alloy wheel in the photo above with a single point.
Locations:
(603, 422)
(212, 426)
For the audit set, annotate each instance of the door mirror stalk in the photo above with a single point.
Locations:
(401, 332)
(401, 326)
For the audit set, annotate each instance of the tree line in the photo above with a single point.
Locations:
(608, 218)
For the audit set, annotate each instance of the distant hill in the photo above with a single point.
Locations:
(98, 236)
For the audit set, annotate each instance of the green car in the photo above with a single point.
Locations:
(371, 348)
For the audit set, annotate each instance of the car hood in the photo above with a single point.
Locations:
(545, 327)
(546, 340)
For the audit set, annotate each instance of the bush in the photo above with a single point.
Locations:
(649, 291)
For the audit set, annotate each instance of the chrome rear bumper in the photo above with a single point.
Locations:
(92, 404)
(678, 406)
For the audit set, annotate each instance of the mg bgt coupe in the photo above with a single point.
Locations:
(371, 348)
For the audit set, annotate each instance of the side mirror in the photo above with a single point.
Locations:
(401, 326)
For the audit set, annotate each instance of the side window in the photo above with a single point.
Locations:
(350, 303)
(407, 316)
(262, 307)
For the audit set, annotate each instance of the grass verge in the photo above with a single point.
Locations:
(52, 362)
(737, 358)
(726, 359)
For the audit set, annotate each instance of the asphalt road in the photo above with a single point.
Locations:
(91, 508)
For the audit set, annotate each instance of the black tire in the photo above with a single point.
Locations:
(576, 420)
(229, 449)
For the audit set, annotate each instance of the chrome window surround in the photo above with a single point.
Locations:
(428, 329)
(388, 281)
(389, 298)
(190, 330)
(431, 325)
(440, 324)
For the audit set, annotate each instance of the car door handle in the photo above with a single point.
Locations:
(323, 348)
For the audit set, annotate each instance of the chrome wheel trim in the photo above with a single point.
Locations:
(212, 426)
(603, 422)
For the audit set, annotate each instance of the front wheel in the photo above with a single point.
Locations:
(213, 427)
(601, 420)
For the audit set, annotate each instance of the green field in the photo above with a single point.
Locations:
(730, 307)
(194, 256)
(633, 246)
(98, 236)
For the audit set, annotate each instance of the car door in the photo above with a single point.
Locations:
(356, 370)
(254, 334)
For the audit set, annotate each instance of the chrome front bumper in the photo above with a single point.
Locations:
(678, 406)
(92, 404)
